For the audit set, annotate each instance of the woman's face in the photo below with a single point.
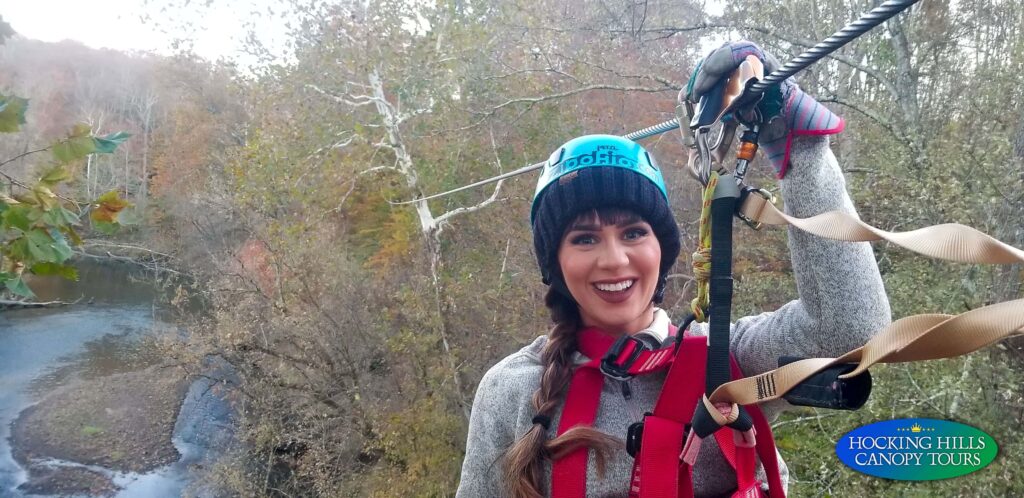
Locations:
(610, 266)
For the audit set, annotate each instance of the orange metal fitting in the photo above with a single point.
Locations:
(747, 151)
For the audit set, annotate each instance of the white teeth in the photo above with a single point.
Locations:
(618, 287)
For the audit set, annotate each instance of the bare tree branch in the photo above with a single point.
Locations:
(494, 195)
(870, 114)
(336, 145)
(351, 100)
(100, 243)
(23, 154)
(568, 93)
(35, 304)
(352, 187)
(668, 84)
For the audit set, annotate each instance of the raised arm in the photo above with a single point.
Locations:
(841, 298)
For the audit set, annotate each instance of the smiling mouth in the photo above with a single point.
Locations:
(615, 287)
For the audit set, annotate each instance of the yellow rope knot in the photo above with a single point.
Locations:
(702, 256)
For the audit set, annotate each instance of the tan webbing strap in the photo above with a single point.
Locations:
(949, 241)
(914, 338)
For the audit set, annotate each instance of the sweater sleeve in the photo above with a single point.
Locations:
(842, 302)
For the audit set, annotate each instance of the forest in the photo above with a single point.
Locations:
(358, 328)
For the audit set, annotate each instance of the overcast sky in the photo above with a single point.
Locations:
(218, 29)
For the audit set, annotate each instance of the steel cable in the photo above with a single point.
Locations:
(851, 31)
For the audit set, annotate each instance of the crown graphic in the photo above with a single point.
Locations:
(915, 428)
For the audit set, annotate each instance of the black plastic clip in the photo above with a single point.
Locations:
(826, 390)
(634, 435)
(611, 367)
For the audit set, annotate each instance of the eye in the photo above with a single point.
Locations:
(583, 239)
(635, 233)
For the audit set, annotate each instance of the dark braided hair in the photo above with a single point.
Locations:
(524, 460)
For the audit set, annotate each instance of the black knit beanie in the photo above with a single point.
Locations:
(586, 189)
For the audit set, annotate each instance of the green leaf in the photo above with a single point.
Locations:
(40, 246)
(17, 216)
(53, 218)
(69, 217)
(55, 175)
(45, 197)
(60, 244)
(60, 217)
(108, 144)
(17, 249)
(66, 271)
(12, 116)
(106, 227)
(73, 148)
(80, 130)
(19, 287)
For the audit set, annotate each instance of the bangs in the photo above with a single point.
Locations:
(604, 217)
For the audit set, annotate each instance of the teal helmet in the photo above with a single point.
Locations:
(593, 172)
(598, 151)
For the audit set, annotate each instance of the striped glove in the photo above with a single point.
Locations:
(786, 109)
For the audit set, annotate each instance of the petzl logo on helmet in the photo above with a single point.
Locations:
(606, 155)
(916, 449)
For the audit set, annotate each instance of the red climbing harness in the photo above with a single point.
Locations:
(658, 470)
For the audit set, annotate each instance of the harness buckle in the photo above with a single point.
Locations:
(634, 436)
(615, 369)
(768, 196)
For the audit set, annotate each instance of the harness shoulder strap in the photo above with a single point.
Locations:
(657, 471)
(569, 474)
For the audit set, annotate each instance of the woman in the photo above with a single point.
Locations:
(605, 240)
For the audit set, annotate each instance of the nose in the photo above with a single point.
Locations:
(613, 255)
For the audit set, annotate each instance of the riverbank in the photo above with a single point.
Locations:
(121, 423)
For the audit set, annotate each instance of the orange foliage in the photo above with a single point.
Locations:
(181, 149)
(257, 263)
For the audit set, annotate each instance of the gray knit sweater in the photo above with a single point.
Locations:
(841, 304)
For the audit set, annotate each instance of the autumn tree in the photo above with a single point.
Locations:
(37, 222)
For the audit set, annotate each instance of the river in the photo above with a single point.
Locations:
(110, 331)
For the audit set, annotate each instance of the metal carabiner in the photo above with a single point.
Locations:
(703, 155)
(706, 156)
(696, 142)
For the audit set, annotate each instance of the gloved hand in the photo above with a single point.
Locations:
(785, 108)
